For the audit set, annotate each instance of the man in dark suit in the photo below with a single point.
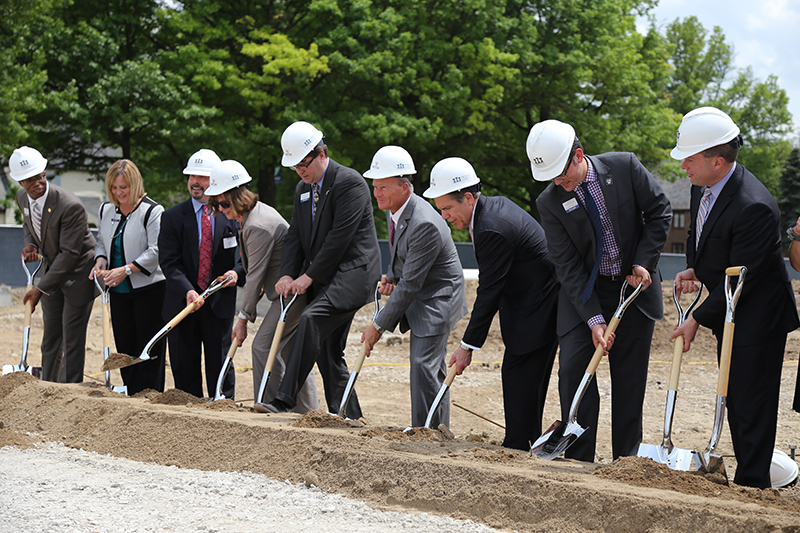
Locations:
(331, 255)
(425, 281)
(517, 278)
(606, 221)
(55, 225)
(194, 249)
(735, 222)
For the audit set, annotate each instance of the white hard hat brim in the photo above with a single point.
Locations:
(538, 175)
(34, 171)
(219, 189)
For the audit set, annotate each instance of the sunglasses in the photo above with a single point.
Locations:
(224, 204)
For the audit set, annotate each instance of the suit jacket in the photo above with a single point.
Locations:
(261, 241)
(179, 257)
(339, 250)
(516, 277)
(640, 214)
(429, 297)
(66, 244)
(743, 228)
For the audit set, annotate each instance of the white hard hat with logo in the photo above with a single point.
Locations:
(201, 163)
(26, 162)
(783, 470)
(226, 175)
(549, 145)
(297, 142)
(451, 175)
(701, 129)
(390, 161)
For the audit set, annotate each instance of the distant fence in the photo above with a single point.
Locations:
(11, 244)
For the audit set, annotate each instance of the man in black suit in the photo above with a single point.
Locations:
(606, 221)
(735, 222)
(330, 255)
(515, 277)
(180, 254)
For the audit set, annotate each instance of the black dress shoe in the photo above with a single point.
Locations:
(277, 406)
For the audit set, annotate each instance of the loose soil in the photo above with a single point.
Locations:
(461, 472)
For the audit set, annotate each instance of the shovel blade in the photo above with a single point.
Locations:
(35, 371)
(709, 463)
(675, 459)
(653, 451)
(556, 439)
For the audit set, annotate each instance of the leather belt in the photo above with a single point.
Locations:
(611, 278)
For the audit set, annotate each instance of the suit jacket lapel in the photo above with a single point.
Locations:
(327, 184)
(719, 205)
(606, 181)
(400, 228)
(190, 229)
(49, 206)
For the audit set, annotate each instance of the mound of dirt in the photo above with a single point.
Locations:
(176, 397)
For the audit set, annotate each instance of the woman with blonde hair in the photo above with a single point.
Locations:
(126, 258)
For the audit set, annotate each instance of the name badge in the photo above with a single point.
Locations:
(26, 212)
(306, 196)
(229, 242)
(570, 205)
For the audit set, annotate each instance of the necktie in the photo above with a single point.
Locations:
(391, 231)
(204, 268)
(702, 214)
(594, 216)
(36, 219)
(315, 187)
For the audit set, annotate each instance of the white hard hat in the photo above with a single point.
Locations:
(390, 161)
(26, 162)
(703, 128)
(297, 142)
(783, 470)
(451, 175)
(549, 145)
(201, 163)
(226, 175)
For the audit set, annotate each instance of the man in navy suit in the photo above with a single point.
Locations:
(735, 222)
(179, 254)
(330, 255)
(606, 221)
(516, 278)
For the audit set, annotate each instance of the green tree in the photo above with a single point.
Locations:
(789, 197)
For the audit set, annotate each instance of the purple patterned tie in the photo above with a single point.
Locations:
(391, 231)
(702, 214)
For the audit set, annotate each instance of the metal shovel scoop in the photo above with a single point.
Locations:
(107, 337)
(258, 405)
(559, 436)
(145, 356)
(448, 380)
(225, 365)
(348, 390)
(708, 462)
(666, 453)
(23, 366)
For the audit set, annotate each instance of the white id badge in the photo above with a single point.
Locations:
(229, 242)
(570, 205)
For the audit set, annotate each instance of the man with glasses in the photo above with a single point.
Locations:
(330, 255)
(606, 221)
(55, 225)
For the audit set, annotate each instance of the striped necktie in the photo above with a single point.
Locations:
(36, 219)
(702, 214)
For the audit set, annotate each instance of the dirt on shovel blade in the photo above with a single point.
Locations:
(118, 360)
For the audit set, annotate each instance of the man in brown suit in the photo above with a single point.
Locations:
(55, 225)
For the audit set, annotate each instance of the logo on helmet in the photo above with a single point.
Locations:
(538, 161)
(24, 163)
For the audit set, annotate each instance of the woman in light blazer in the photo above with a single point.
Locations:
(126, 258)
(260, 242)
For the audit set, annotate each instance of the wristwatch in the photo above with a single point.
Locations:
(792, 235)
(379, 329)
(128, 270)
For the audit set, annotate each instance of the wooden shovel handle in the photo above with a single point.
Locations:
(675, 371)
(599, 351)
(361, 356)
(232, 349)
(451, 375)
(725, 359)
(733, 271)
(183, 314)
(28, 309)
(273, 349)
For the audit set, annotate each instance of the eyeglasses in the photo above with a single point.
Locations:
(566, 169)
(224, 204)
(33, 179)
(304, 164)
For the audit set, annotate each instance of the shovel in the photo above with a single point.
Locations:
(707, 462)
(35, 371)
(225, 365)
(107, 337)
(559, 436)
(666, 453)
(145, 356)
(258, 405)
(451, 375)
(348, 390)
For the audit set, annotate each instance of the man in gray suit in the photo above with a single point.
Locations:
(606, 221)
(55, 225)
(331, 255)
(425, 281)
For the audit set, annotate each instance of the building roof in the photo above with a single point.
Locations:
(678, 192)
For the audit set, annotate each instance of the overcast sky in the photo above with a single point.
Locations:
(764, 35)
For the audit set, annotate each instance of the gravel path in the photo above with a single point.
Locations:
(58, 489)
